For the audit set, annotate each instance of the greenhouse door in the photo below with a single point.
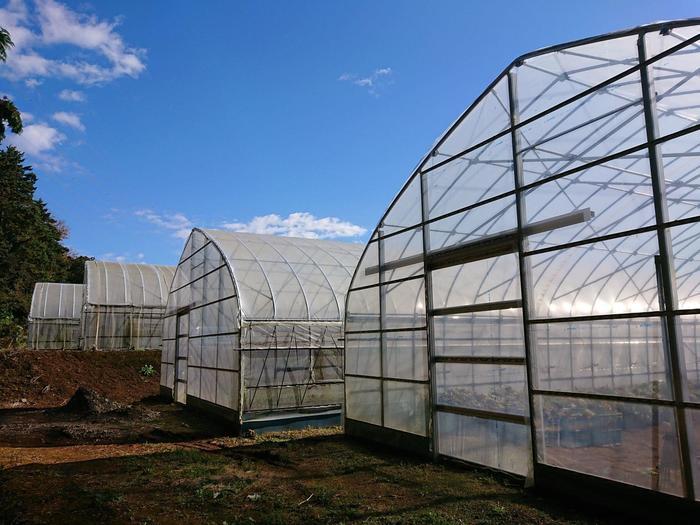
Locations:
(181, 345)
(481, 409)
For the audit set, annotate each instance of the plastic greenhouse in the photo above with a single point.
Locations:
(530, 301)
(124, 305)
(254, 328)
(54, 316)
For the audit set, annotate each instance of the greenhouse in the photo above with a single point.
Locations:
(124, 305)
(54, 317)
(254, 328)
(530, 300)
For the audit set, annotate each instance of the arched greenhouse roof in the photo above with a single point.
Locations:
(121, 284)
(56, 301)
(287, 278)
(576, 112)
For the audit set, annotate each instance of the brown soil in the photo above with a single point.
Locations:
(117, 460)
(33, 378)
(301, 477)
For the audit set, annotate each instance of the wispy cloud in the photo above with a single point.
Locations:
(176, 223)
(122, 257)
(51, 23)
(374, 83)
(299, 224)
(70, 95)
(31, 83)
(69, 119)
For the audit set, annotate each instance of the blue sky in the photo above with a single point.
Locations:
(144, 119)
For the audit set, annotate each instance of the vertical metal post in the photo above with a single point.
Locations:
(523, 262)
(432, 420)
(382, 312)
(667, 291)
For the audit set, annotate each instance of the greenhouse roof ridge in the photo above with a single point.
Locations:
(56, 301)
(127, 284)
(296, 278)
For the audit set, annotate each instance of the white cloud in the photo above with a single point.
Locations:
(51, 24)
(176, 223)
(373, 82)
(31, 83)
(69, 119)
(37, 139)
(72, 96)
(299, 224)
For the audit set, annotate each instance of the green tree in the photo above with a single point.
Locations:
(9, 114)
(31, 248)
(30, 238)
(5, 43)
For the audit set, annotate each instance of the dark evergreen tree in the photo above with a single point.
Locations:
(30, 238)
(31, 248)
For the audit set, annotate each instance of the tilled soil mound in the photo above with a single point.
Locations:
(43, 379)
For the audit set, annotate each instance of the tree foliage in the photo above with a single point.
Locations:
(8, 111)
(5, 43)
(31, 248)
(30, 241)
(9, 114)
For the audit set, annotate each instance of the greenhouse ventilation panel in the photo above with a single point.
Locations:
(124, 305)
(530, 300)
(54, 316)
(254, 328)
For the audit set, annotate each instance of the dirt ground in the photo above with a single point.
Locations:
(49, 378)
(97, 460)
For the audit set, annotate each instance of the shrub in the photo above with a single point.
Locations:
(147, 371)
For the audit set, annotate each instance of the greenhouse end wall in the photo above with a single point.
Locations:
(529, 302)
(253, 328)
(54, 317)
(124, 305)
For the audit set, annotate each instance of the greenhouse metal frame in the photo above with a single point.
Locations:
(54, 316)
(265, 308)
(529, 301)
(124, 305)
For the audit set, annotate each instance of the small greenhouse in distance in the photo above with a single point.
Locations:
(530, 300)
(253, 328)
(54, 316)
(124, 305)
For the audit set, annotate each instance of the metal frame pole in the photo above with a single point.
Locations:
(667, 293)
(431, 420)
(523, 262)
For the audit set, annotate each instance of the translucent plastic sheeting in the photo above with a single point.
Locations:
(121, 328)
(620, 357)
(56, 301)
(54, 317)
(570, 187)
(254, 322)
(629, 442)
(495, 333)
(120, 284)
(288, 278)
(497, 444)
